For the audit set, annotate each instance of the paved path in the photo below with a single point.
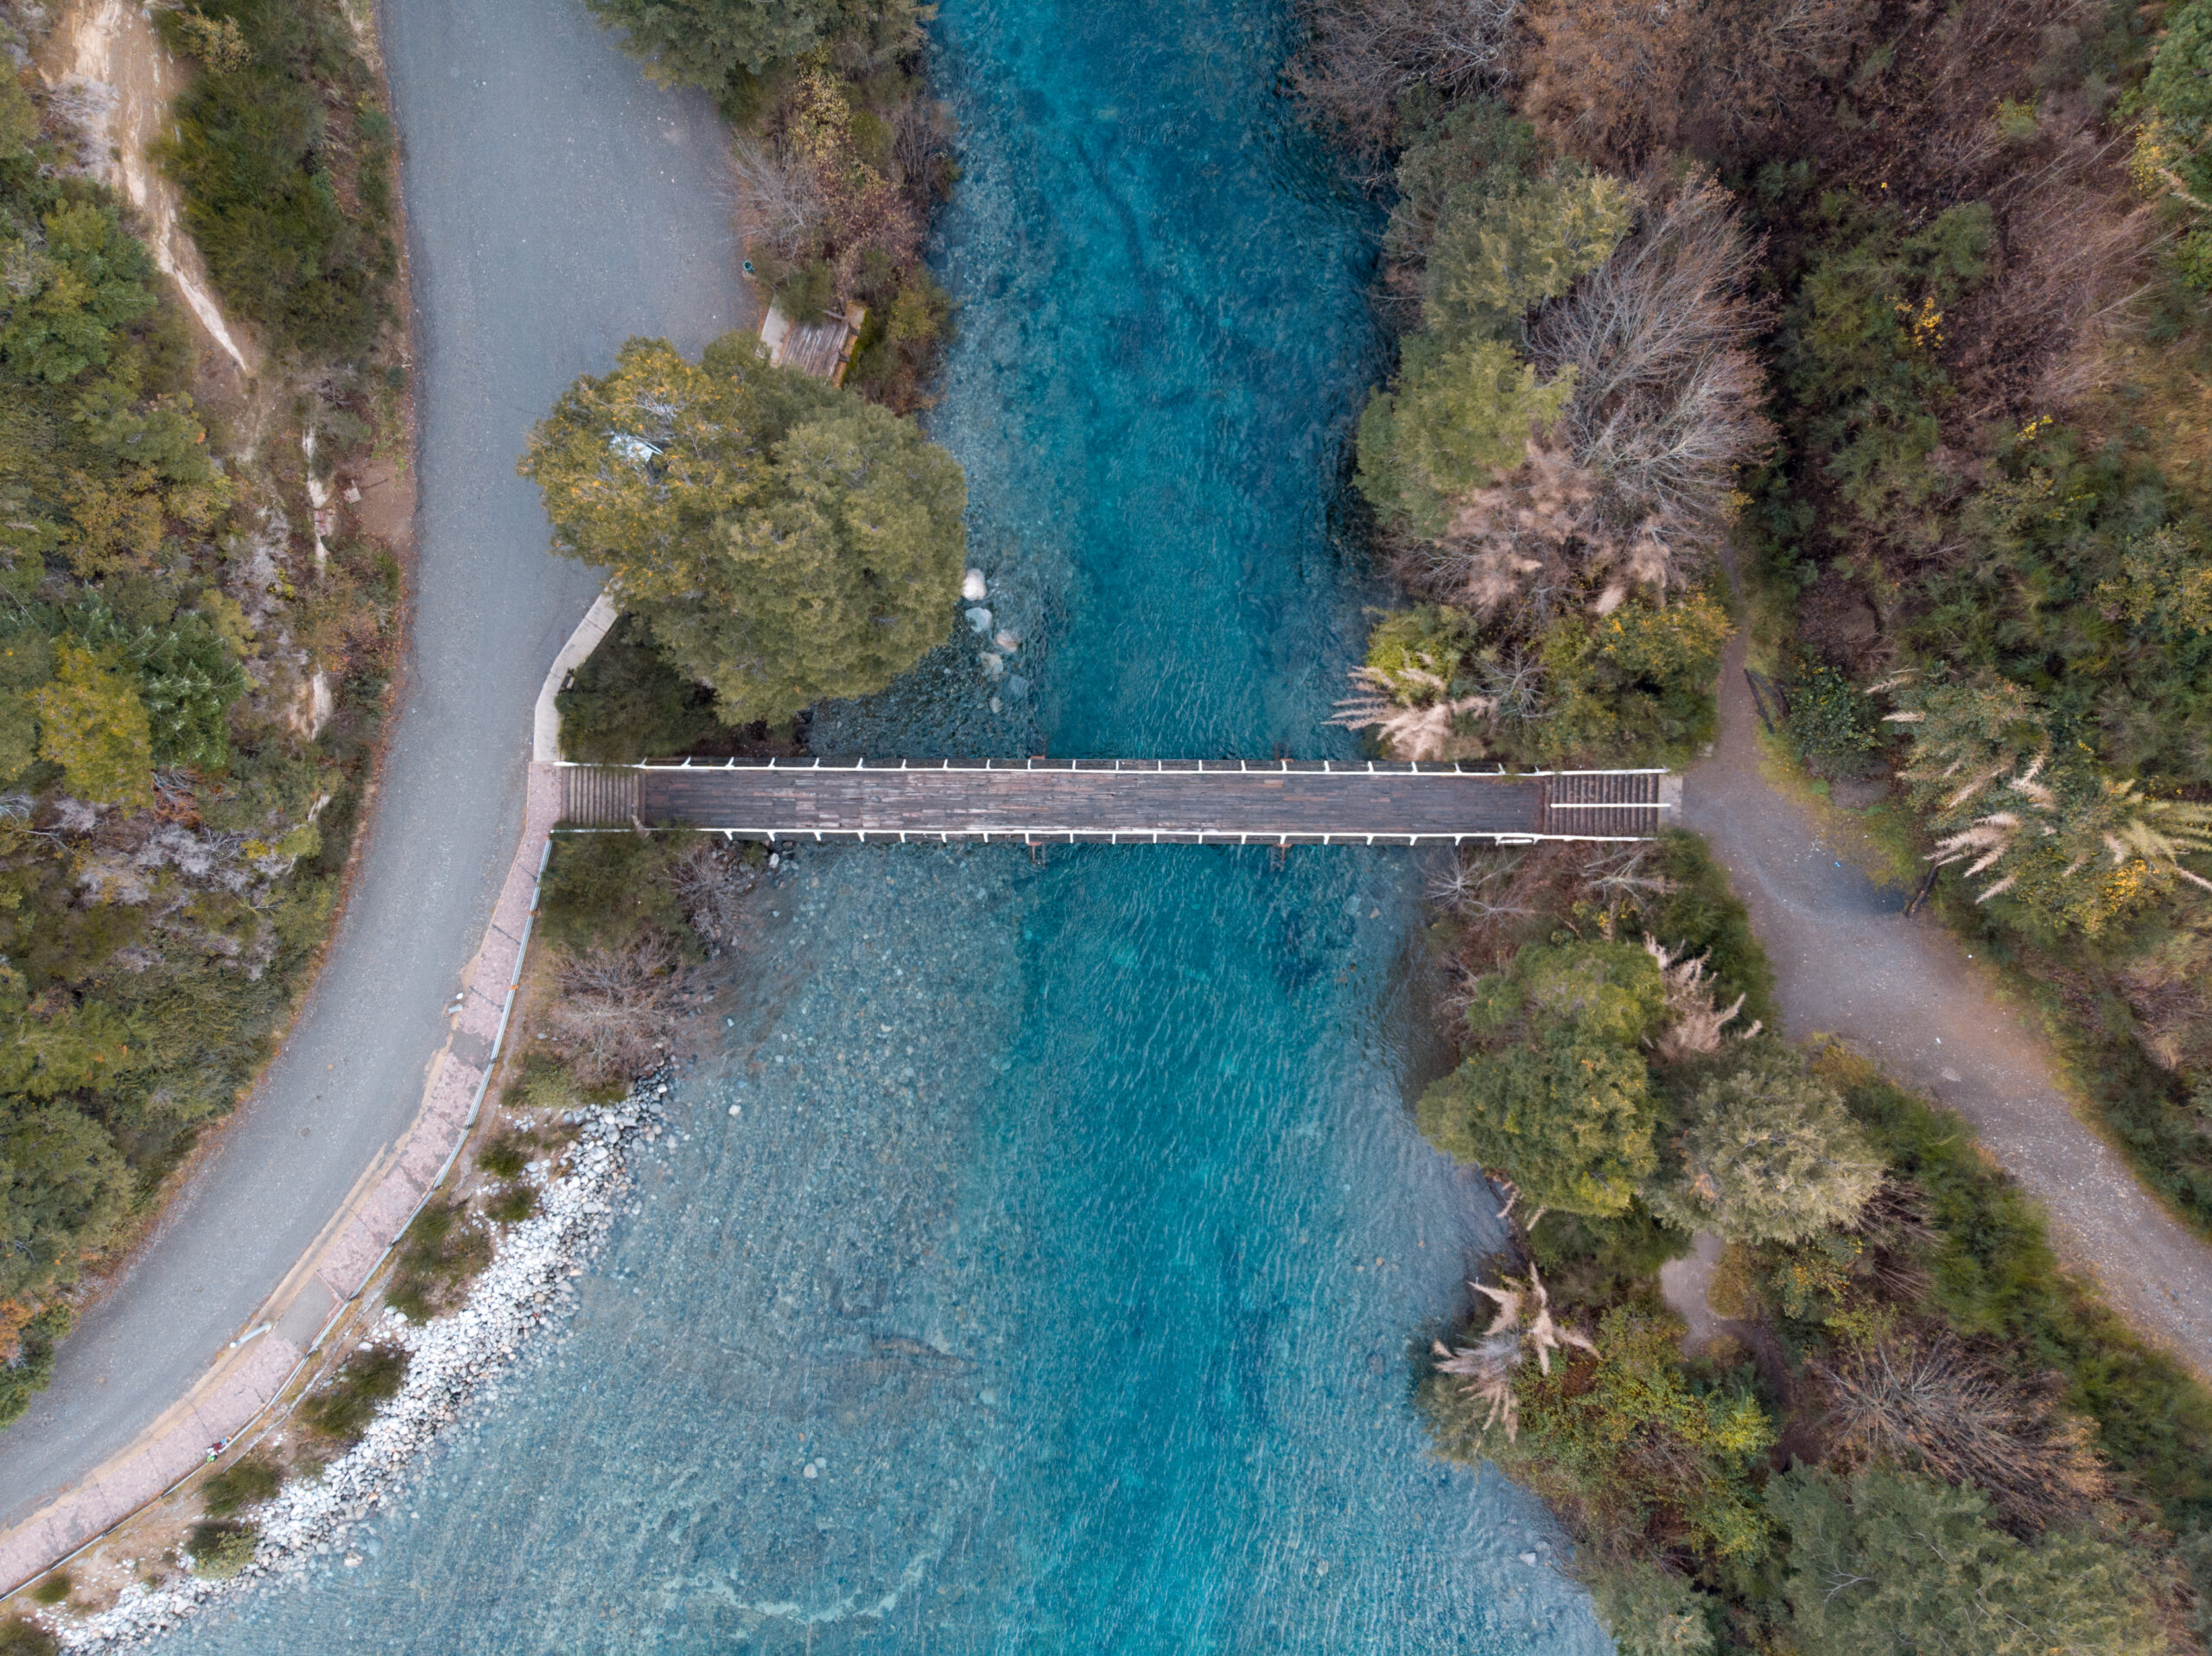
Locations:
(1905, 992)
(557, 203)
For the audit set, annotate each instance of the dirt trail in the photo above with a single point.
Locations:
(1905, 992)
(105, 59)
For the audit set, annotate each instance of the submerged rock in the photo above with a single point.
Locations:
(979, 620)
(972, 587)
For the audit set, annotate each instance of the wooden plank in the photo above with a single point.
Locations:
(1261, 804)
(1172, 801)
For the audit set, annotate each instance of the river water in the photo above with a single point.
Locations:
(1038, 1263)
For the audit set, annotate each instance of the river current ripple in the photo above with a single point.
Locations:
(1038, 1264)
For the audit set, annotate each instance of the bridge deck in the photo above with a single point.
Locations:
(1120, 801)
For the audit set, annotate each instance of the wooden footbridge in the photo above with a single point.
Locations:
(1120, 802)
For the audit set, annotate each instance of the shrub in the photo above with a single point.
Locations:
(266, 180)
(1832, 723)
(220, 1550)
(1650, 1611)
(1631, 1444)
(1767, 1154)
(616, 1012)
(611, 891)
(1991, 1275)
(245, 1481)
(345, 1404)
(542, 1081)
(19, 1637)
(1696, 913)
(508, 1155)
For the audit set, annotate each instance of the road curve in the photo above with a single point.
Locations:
(557, 203)
(1905, 992)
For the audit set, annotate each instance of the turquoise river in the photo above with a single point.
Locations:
(1053, 1286)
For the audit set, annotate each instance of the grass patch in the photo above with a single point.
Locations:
(21, 1638)
(507, 1155)
(242, 1483)
(511, 1203)
(55, 1590)
(344, 1406)
(440, 1255)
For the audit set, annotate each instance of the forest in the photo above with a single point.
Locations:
(190, 678)
(1875, 328)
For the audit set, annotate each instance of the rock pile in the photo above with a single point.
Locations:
(527, 1284)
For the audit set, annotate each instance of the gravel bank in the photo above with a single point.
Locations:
(454, 1358)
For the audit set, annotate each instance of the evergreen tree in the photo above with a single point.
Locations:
(1894, 1564)
(94, 725)
(1768, 1154)
(62, 1191)
(783, 540)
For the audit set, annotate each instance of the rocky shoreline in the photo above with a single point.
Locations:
(453, 1358)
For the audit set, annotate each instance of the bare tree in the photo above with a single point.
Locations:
(785, 194)
(1363, 55)
(615, 1013)
(1931, 1405)
(1630, 488)
(711, 882)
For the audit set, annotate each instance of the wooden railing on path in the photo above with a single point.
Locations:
(1153, 801)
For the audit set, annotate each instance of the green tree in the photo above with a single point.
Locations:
(63, 1188)
(92, 724)
(1465, 410)
(2172, 147)
(783, 541)
(64, 302)
(1558, 1096)
(1893, 1562)
(1766, 1153)
(1499, 254)
(1636, 684)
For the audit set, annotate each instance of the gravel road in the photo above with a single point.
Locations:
(1905, 992)
(557, 203)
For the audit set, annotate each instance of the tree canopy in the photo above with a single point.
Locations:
(783, 540)
(1558, 1094)
(1766, 1153)
(1892, 1563)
